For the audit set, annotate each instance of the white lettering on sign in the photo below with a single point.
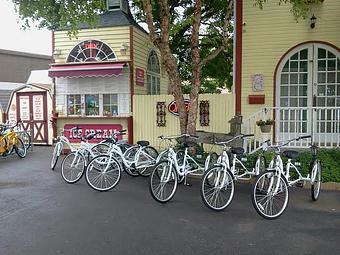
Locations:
(24, 108)
(38, 107)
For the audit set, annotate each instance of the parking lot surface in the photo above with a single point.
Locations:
(41, 214)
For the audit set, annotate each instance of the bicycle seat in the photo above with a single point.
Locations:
(291, 154)
(237, 150)
(143, 143)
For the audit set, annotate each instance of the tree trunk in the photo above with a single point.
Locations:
(196, 69)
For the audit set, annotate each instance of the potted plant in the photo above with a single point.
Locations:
(265, 125)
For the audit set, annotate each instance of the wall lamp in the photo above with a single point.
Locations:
(56, 52)
(123, 48)
(312, 21)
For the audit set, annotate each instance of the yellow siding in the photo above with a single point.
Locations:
(113, 36)
(222, 109)
(269, 33)
(142, 46)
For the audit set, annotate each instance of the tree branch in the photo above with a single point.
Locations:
(149, 20)
(217, 51)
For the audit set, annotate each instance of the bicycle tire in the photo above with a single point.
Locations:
(103, 173)
(263, 199)
(55, 155)
(212, 188)
(316, 185)
(153, 153)
(25, 136)
(162, 175)
(20, 148)
(69, 173)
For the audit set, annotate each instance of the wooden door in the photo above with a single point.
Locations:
(32, 111)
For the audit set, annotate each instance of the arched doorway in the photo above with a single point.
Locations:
(308, 93)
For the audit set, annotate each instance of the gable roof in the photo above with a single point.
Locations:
(112, 19)
(6, 89)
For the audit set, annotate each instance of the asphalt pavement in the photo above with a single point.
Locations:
(41, 214)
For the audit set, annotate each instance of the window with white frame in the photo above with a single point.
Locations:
(110, 104)
(92, 105)
(153, 74)
(74, 105)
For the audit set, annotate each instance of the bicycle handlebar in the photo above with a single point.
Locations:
(232, 139)
(177, 136)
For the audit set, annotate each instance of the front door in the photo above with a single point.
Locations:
(32, 111)
(308, 93)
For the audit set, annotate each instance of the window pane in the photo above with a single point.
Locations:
(106, 99)
(286, 67)
(303, 91)
(92, 105)
(330, 55)
(321, 90)
(331, 102)
(293, 78)
(284, 78)
(303, 66)
(303, 78)
(321, 77)
(331, 65)
(293, 102)
(73, 105)
(294, 66)
(321, 53)
(322, 65)
(293, 90)
(331, 77)
(284, 102)
(295, 56)
(304, 54)
(284, 91)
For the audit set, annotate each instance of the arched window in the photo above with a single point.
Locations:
(153, 74)
(91, 51)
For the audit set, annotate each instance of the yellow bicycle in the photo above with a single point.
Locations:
(9, 141)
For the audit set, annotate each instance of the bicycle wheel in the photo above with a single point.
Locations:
(147, 156)
(20, 148)
(56, 155)
(130, 156)
(103, 173)
(316, 185)
(270, 195)
(26, 138)
(73, 167)
(260, 165)
(217, 188)
(163, 182)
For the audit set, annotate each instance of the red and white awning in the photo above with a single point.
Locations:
(86, 70)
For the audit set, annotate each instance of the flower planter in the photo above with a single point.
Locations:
(266, 128)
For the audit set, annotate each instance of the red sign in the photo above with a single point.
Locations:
(173, 108)
(139, 77)
(91, 46)
(85, 129)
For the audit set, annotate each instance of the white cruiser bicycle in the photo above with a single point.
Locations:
(271, 190)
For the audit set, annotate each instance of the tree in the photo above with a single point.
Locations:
(192, 24)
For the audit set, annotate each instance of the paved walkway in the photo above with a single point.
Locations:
(41, 214)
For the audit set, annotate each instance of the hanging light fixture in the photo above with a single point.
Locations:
(312, 21)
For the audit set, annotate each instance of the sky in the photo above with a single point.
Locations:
(13, 37)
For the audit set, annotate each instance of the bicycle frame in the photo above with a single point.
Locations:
(9, 139)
